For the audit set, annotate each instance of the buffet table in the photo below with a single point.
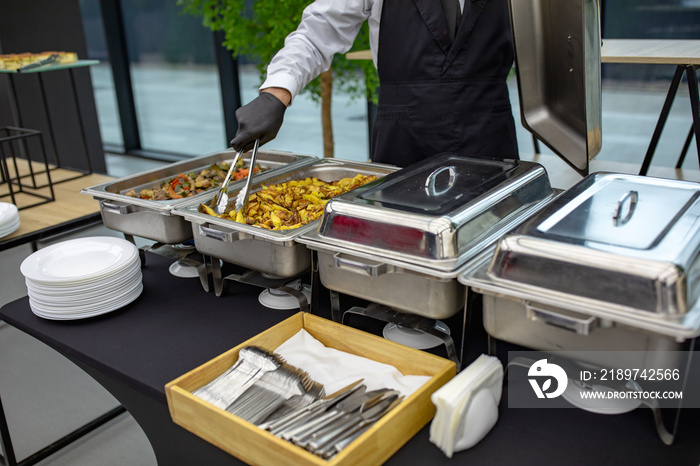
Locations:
(174, 326)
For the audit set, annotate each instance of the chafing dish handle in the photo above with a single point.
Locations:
(352, 265)
(223, 236)
(633, 197)
(582, 326)
(117, 208)
(430, 181)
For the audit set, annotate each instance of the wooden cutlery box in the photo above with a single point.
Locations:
(256, 446)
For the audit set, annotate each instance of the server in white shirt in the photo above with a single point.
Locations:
(442, 81)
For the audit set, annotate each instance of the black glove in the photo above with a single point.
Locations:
(260, 119)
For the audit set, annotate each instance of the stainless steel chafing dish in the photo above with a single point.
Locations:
(402, 241)
(269, 251)
(610, 265)
(154, 219)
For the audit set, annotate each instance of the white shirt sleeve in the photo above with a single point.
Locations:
(327, 27)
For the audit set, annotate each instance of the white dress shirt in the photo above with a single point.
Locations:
(327, 27)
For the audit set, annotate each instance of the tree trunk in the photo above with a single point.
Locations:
(326, 122)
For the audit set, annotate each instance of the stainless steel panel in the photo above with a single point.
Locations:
(605, 313)
(600, 342)
(280, 258)
(270, 251)
(557, 56)
(153, 219)
(399, 288)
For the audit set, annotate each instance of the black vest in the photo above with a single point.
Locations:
(440, 96)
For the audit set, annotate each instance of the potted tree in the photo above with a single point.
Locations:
(257, 29)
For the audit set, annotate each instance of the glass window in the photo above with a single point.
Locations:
(102, 80)
(175, 79)
(302, 132)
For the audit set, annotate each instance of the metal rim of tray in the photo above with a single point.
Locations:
(686, 327)
(442, 268)
(167, 206)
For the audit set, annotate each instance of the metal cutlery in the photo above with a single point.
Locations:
(369, 412)
(242, 198)
(252, 363)
(355, 427)
(220, 200)
(278, 422)
(274, 388)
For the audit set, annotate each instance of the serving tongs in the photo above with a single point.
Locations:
(242, 198)
(220, 201)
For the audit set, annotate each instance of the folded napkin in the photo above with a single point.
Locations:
(336, 369)
(467, 406)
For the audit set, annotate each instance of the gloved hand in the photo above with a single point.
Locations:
(260, 119)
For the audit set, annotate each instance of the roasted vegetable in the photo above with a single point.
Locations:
(189, 184)
(292, 204)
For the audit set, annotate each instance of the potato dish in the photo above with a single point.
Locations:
(289, 205)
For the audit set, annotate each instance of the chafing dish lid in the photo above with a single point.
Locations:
(439, 187)
(439, 212)
(628, 240)
(621, 211)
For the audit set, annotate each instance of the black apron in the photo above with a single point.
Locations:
(438, 95)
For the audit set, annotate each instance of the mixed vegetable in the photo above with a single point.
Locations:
(189, 184)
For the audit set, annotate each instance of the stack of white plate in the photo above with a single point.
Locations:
(82, 277)
(9, 218)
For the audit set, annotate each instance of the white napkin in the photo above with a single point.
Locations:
(467, 406)
(336, 369)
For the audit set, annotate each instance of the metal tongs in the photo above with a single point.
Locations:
(242, 198)
(220, 200)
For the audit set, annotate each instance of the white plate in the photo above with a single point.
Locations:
(39, 311)
(87, 297)
(78, 259)
(78, 306)
(414, 338)
(108, 281)
(8, 212)
(9, 227)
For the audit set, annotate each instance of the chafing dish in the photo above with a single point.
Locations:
(402, 241)
(610, 265)
(154, 219)
(269, 251)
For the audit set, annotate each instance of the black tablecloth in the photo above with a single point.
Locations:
(174, 326)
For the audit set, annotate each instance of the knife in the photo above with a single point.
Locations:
(52, 58)
(294, 418)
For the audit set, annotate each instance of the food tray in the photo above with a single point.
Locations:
(269, 251)
(403, 240)
(615, 249)
(258, 447)
(153, 219)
